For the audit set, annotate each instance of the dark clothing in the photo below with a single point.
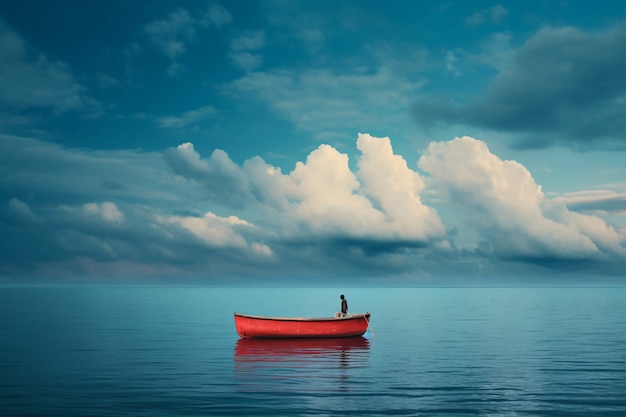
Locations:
(344, 306)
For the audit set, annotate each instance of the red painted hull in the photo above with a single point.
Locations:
(286, 327)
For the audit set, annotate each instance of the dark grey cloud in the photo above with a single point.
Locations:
(73, 241)
(60, 206)
(43, 173)
(563, 86)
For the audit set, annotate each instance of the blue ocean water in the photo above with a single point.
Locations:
(92, 351)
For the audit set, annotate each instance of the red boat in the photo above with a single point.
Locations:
(352, 325)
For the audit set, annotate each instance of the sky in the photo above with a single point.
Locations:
(313, 142)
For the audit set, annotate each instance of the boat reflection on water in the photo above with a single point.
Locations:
(256, 349)
(266, 364)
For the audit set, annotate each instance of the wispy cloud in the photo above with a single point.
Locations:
(107, 211)
(248, 41)
(31, 80)
(494, 14)
(172, 34)
(186, 119)
(319, 101)
(608, 201)
(21, 210)
(244, 50)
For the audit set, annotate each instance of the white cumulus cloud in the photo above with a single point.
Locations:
(327, 197)
(397, 189)
(220, 232)
(322, 196)
(509, 209)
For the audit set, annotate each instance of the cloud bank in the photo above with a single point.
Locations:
(182, 215)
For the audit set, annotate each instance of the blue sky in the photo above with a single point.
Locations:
(245, 142)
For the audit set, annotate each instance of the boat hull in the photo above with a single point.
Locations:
(287, 327)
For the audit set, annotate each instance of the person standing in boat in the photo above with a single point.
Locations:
(344, 306)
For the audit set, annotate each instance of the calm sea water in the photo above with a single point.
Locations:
(174, 352)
